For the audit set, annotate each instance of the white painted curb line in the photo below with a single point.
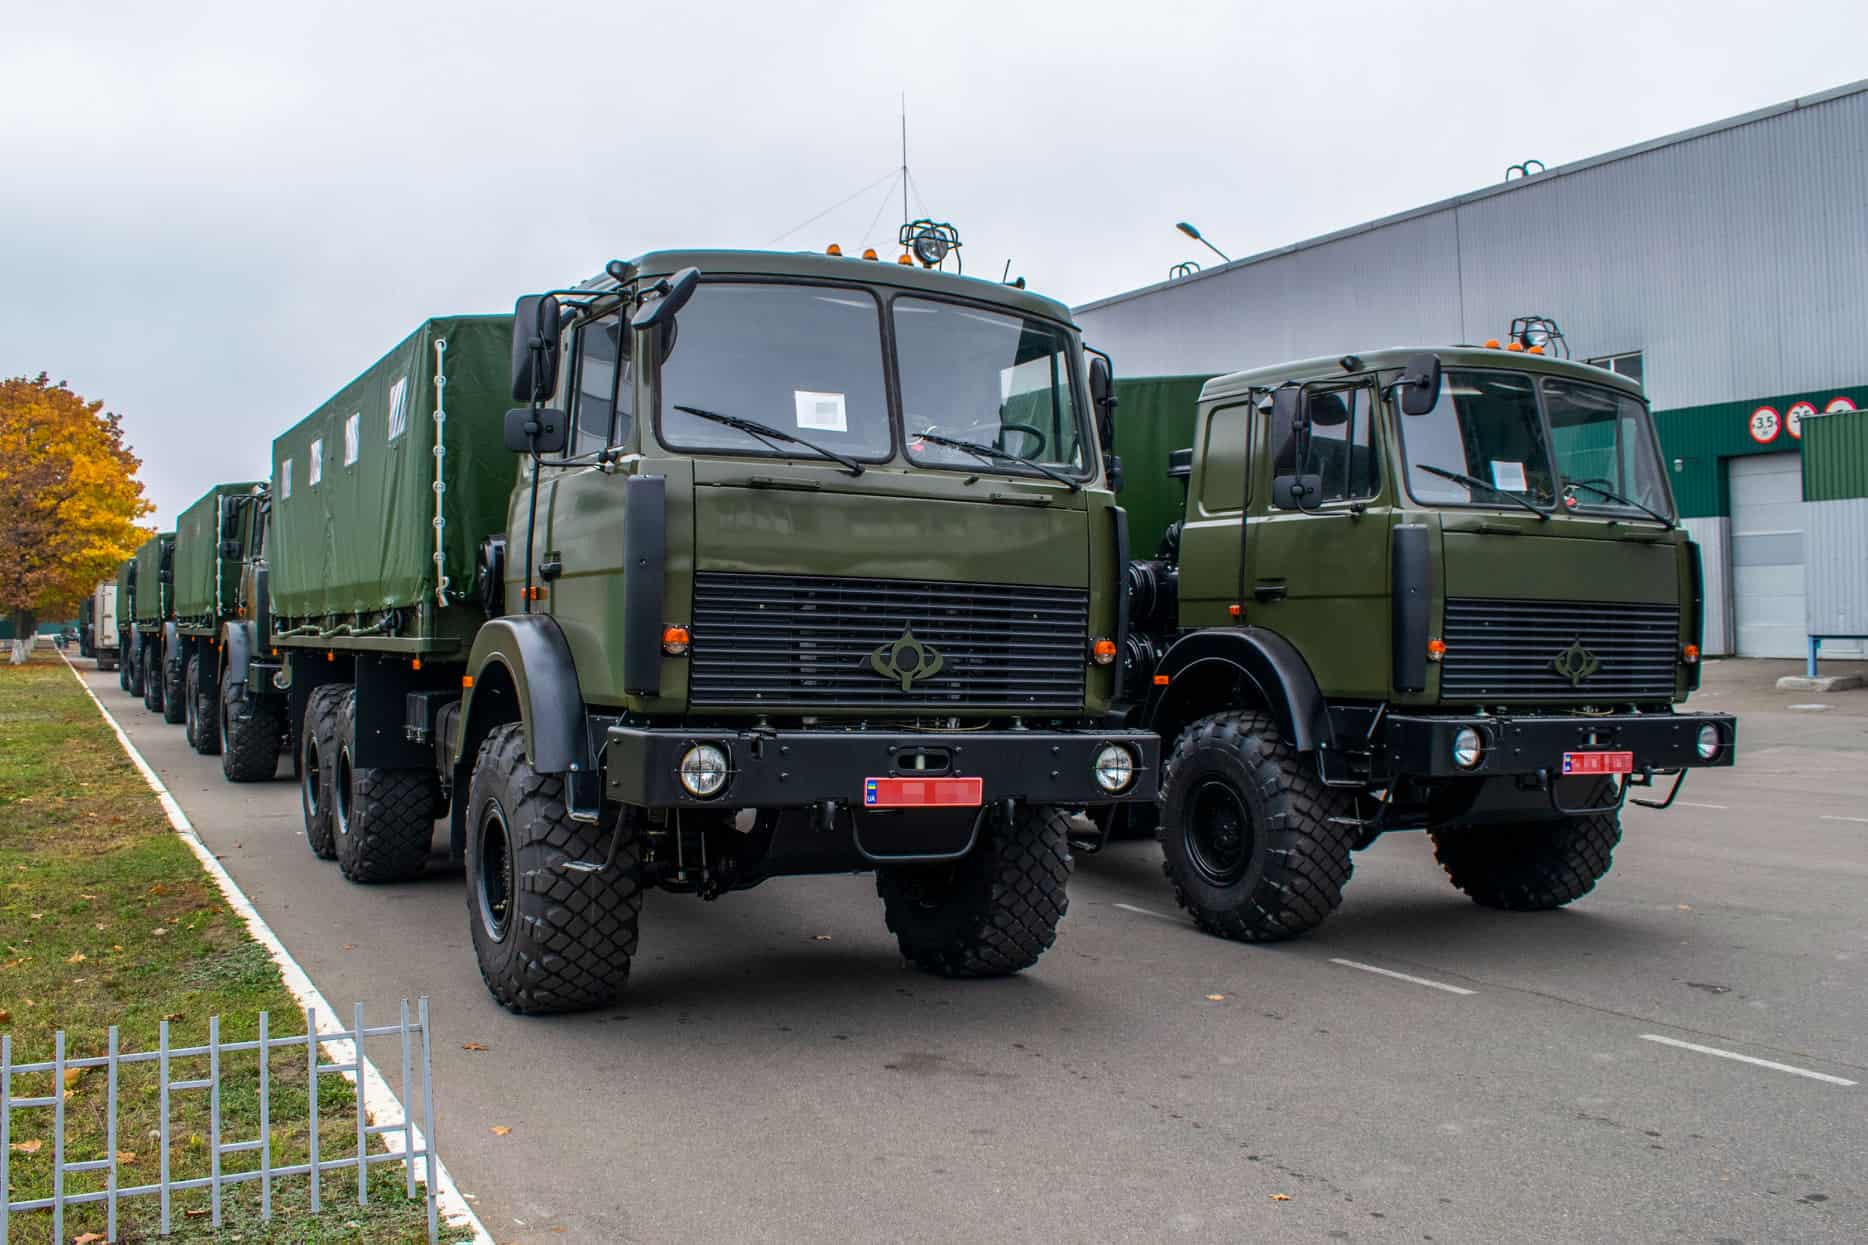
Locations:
(384, 1107)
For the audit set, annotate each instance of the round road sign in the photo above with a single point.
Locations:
(1765, 425)
(1794, 417)
(1838, 405)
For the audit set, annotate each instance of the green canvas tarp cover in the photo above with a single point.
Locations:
(197, 562)
(1154, 417)
(154, 599)
(353, 497)
(126, 595)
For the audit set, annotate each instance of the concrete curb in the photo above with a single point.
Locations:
(387, 1109)
(1821, 683)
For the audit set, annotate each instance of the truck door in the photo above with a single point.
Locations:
(1216, 500)
(1318, 568)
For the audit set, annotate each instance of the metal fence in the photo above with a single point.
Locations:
(346, 1042)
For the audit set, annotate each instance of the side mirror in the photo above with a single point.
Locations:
(230, 551)
(1112, 468)
(1102, 382)
(535, 432)
(535, 320)
(1420, 384)
(675, 292)
(1296, 492)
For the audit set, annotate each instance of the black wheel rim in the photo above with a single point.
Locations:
(496, 873)
(341, 790)
(1219, 833)
(309, 778)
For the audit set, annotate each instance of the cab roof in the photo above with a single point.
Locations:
(814, 266)
(1393, 358)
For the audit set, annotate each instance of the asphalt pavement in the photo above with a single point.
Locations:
(1682, 1055)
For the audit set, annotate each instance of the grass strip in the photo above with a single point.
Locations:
(106, 918)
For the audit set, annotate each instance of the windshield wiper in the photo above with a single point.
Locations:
(1476, 482)
(768, 434)
(1656, 515)
(993, 453)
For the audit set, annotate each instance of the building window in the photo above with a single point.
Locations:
(353, 438)
(1626, 364)
(285, 478)
(317, 462)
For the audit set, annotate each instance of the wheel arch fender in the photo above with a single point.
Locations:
(1208, 671)
(522, 669)
(236, 652)
(172, 643)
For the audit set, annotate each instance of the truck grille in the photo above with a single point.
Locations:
(1558, 650)
(805, 641)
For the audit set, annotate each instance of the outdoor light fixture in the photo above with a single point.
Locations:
(1114, 768)
(703, 770)
(1195, 234)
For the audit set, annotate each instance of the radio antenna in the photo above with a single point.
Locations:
(905, 155)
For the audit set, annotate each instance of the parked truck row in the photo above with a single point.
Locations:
(795, 564)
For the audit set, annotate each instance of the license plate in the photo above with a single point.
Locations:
(922, 792)
(1598, 762)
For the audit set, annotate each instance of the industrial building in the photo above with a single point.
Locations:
(1725, 268)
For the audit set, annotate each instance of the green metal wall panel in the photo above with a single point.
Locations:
(1835, 456)
(1695, 439)
(1154, 417)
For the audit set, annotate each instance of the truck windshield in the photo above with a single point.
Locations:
(1485, 426)
(799, 357)
(995, 380)
(1602, 442)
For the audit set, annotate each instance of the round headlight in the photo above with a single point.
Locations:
(1468, 747)
(1708, 742)
(703, 770)
(1114, 768)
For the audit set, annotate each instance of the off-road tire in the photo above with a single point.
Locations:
(151, 678)
(125, 664)
(317, 766)
(204, 734)
(992, 912)
(250, 732)
(548, 939)
(1285, 872)
(1532, 866)
(384, 818)
(174, 694)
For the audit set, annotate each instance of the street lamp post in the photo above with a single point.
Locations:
(1193, 233)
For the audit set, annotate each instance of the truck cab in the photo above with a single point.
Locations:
(1440, 590)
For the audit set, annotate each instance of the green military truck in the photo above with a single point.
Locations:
(153, 614)
(253, 710)
(828, 581)
(129, 676)
(206, 573)
(1439, 590)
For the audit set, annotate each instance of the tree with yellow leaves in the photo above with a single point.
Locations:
(69, 501)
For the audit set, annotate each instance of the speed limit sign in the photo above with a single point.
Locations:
(1765, 425)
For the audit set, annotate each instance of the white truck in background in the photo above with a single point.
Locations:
(99, 631)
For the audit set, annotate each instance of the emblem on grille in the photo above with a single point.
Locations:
(906, 660)
(1575, 663)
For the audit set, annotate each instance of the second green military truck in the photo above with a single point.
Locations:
(152, 625)
(206, 569)
(1439, 590)
(782, 564)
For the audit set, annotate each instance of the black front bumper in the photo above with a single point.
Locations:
(781, 769)
(1422, 747)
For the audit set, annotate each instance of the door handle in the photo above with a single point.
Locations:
(1269, 590)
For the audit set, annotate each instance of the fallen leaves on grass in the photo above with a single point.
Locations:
(73, 1076)
(27, 1147)
(498, 1130)
(126, 1157)
(5, 1016)
(1280, 1197)
(474, 1046)
(89, 1238)
(176, 1016)
(76, 957)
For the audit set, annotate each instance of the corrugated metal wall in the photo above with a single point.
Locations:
(1731, 256)
(1836, 567)
(1835, 456)
(1714, 534)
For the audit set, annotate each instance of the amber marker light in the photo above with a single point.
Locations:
(675, 641)
(1237, 611)
(1689, 653)
(1533, 350)
(415, 664)
(907, 259)
(833, 249)
(1161, 680)
(869, 252)
(466, 681)
(1436, 649)
(1515, 348)
(1103, 652)
(1491, 343)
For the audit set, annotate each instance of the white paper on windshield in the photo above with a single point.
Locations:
(821, 412)
(1509, 476)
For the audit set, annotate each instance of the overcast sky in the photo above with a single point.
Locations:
(213, 216)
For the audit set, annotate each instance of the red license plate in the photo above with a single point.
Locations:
(1598, 762)
(922, 792)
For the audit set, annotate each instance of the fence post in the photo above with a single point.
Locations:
(162, 1076)
(58, 1135)
(363, 1122)
(6, 1134)
(408, 1107)
(214, 1115)
(311, 1079)
(110, 1141)
(265, 1119)
(428, 1120)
